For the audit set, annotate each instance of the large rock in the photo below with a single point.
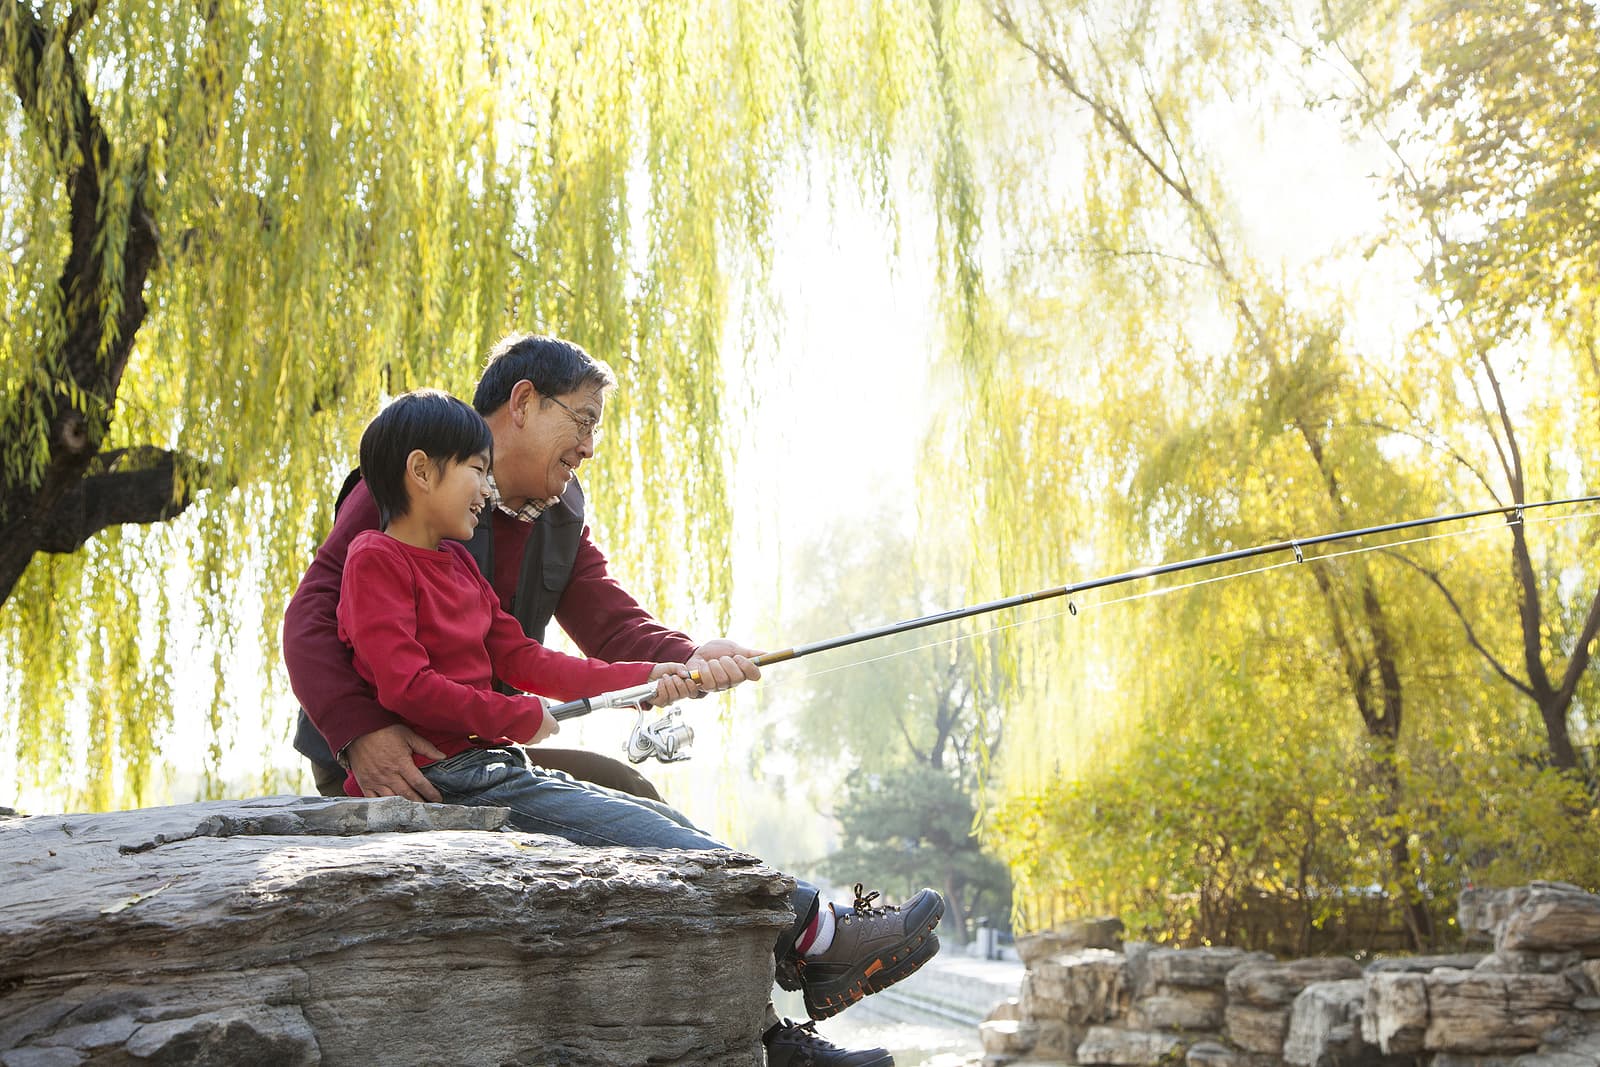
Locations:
(1217, 1054)
(301, 931)
(1325, 1026)
(1483, 1012)
(1186, 1009)
(1153, 971)
(1261, 995)
(1073, 936)
(1480, 912)
(1552, 918)
(1395, 1014)
(1461, 961)
(1081, 987)
(1130, 1048)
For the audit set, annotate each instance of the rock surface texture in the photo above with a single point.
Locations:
(293, 930)
(1534, 1001)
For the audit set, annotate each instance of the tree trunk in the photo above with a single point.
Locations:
(76, 401)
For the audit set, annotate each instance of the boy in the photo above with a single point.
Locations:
(427, 632)
(425, 628)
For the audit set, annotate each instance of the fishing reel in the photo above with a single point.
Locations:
(666, 738)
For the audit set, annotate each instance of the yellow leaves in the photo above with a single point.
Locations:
(353, 199)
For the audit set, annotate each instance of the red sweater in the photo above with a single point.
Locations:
(428, 634)
(598, 614)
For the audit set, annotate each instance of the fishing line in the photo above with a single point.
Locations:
(1074, 608)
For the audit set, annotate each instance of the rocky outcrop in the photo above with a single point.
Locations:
(1260, 996)
(1533, 1001)
(305, 930)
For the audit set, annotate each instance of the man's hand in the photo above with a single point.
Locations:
(723, 664)
(382, 764)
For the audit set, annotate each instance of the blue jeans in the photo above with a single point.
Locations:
(551, 802)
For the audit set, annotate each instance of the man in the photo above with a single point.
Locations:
(543, 399)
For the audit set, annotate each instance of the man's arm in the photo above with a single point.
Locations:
(340, 703)
(606, 622)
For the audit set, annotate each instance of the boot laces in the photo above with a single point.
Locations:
(805, 1036)
(864, 904)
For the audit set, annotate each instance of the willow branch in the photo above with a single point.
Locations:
(1472, 635)
(1580, 653)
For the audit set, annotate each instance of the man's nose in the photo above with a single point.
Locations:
(586, 446)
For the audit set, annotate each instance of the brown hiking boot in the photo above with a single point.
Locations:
(874, 946)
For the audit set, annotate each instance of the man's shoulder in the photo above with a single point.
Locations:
(570, 504)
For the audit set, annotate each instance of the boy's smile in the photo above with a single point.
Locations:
(463, 494)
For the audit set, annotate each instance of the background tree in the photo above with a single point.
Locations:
(1228, 387)
(894, 740)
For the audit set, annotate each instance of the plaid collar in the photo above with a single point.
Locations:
(528, 512)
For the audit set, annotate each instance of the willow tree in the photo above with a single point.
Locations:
(1220, 392)
(232, 229)
(1508, 203)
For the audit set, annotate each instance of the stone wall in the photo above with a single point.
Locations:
(293, 930)
(1531, 999)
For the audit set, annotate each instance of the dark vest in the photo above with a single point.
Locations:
(547, 563)
(547, 560)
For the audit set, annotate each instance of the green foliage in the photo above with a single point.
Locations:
(351, 200)
(1242, 812)
(1192, 363)
(912, 827)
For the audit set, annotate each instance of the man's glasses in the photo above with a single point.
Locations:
(587, 426)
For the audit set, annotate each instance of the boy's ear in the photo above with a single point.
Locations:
(419, 470)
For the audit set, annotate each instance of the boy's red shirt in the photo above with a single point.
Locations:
(601, 618)
(428, 634)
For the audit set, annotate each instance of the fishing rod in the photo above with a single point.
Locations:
(666, 738)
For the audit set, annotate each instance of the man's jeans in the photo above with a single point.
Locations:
(550, 802)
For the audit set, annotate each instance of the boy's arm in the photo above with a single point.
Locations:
(339, 701)
(521, 661)
(378, 616)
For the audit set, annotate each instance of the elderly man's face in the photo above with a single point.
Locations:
(558, 435)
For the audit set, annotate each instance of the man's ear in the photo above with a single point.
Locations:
(524, 399)
(420, 470)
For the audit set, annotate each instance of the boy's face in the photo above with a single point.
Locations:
(460, 498)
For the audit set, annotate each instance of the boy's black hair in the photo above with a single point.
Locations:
(555, 367)
(442, 426)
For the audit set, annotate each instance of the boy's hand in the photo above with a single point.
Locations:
(672, 683)
(548, 726)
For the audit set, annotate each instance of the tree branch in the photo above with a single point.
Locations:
(1472, 636)
(82, 375)
(81, 15)
(133, 485)
(1580, 654)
